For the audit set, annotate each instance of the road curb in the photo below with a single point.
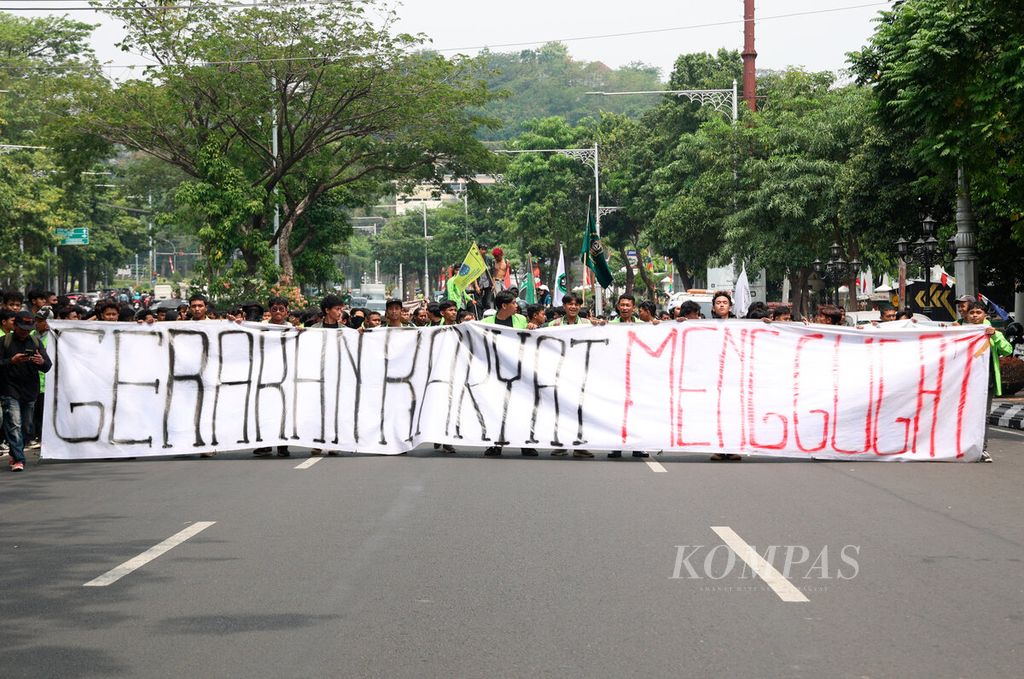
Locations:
(1010, 415)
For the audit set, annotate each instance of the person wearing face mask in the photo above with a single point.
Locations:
(356, 318)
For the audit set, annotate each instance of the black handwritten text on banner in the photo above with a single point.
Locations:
(738, 386)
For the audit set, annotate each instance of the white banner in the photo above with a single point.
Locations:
(119, 390)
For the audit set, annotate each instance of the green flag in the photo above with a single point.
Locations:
(592, 254)
(531, 285)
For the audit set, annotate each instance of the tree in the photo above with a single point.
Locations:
(547, 82)
(947, 76)
(543, 199)
(354, 105)
(45, 64)
(653, 169)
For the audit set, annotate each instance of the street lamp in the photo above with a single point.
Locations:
(723, 100)
(836, 269)
(926, 251)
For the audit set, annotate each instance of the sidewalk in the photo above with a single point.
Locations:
(1007, 412)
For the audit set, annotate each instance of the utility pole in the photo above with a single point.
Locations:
(749, 56)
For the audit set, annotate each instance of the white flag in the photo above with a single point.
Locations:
(742, 294)
(560, 288)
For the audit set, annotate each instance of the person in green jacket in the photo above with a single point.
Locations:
(506, 314)
(977, 314)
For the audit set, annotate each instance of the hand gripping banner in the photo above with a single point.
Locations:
(790, 390)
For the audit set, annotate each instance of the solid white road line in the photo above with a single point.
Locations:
(115, 574)
(308, 463)
(774, 579)
(656, 467)
(1007, 430)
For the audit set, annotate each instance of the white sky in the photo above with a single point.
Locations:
(818, 40)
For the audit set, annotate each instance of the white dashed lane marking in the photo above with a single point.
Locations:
(115, 574)
(764, 570)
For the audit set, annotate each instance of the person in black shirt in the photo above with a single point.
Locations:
(22, 358)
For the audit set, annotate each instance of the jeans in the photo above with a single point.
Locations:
(17, 425)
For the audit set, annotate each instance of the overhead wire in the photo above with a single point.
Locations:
(602, 36)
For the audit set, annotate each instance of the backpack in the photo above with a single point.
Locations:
(9, 339)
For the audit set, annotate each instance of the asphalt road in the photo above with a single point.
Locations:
(464, 566)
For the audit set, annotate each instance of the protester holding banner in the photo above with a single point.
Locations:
(626, 305)
(647, 312)
(506, 314)
(571, 304)
(721, 306)
(449, 311)
(332, 308)
(278, 307)
(198, 308)
(977, 314)
(393, 314)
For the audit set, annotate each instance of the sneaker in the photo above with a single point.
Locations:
(262, 452)
(559, 452)
(640, 453)
(333, 453)
(34, 445)
(985, 456)
(528, 452)
(207, 454)
(316, 452)
(614, 454)
(282, 451)
(18, 467)
(448, 448)
(493, 451)
(582, 453)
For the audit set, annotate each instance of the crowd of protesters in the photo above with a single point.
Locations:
(24, 335)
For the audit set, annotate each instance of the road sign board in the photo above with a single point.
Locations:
(935, 295)
(79, 235)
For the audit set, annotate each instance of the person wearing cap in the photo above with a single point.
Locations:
(543, 295)
(22, 358)
(962, 304)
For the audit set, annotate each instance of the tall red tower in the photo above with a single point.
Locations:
(749, 56)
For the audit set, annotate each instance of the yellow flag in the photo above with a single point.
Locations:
(470, 270)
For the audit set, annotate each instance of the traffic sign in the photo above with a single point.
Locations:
(934, 295)
(78, 235)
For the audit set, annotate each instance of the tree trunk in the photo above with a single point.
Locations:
(652, 290)
(798, 297)
(629, 272)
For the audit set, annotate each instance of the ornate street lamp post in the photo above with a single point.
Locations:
(926, 252)
(835, 270)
